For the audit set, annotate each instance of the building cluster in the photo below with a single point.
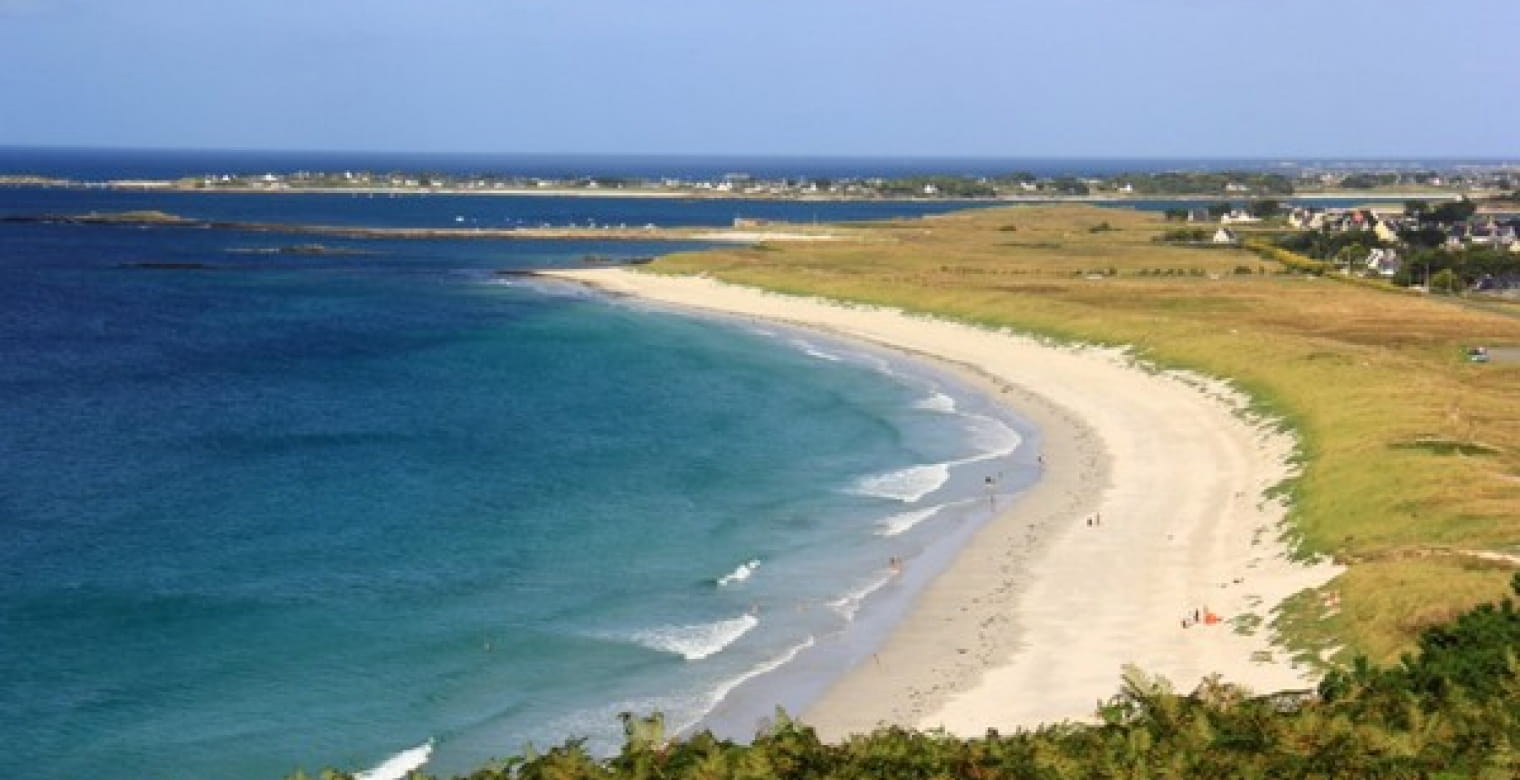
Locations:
(1389, 228)
(1480, 180)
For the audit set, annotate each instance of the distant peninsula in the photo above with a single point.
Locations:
(1015, 186)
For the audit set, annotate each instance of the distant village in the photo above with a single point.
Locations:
(1016, 185)
(1450, 246)
(1472, 181)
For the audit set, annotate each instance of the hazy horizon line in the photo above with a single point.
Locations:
(771, 155)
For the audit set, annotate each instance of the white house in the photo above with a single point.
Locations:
(1384, 262)
(1224, 236)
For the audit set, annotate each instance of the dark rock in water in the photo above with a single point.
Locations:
(169, 266)
(516, 272)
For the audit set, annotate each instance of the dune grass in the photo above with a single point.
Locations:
(1409, 452)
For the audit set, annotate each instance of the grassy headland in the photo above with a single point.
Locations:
(1411, 455)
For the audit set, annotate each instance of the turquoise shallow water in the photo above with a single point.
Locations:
(309, 511)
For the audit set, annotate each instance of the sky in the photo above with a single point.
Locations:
(962, 78)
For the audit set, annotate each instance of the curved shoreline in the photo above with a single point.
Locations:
(993, 645)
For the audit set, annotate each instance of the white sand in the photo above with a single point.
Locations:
(1036, 618)
(755, 236)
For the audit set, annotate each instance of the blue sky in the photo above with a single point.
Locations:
(1110, 78)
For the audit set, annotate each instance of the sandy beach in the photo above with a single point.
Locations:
(1150, 507)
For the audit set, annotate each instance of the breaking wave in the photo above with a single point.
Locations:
(739, 574)
(812, 351)
(726, 687)
(906, 485)
(901, 523)
(993, 437)
(400, 765)
(848, 604)
(939, 402)
(699, 641)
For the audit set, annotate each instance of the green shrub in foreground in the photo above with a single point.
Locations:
(1452, 710)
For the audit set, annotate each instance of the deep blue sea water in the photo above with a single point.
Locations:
(291, 510)
(486, 211)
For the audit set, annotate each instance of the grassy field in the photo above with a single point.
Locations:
(1411, 455)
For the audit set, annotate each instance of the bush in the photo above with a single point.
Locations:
(1447, 711)
(1185, 235)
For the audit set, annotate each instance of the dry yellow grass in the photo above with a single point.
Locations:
(1408, 448)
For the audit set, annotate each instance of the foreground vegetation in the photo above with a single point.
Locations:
(1450, 710)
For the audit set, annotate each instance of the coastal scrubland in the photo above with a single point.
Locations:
(1410, 455)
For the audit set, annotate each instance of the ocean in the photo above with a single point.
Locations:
(263, 510)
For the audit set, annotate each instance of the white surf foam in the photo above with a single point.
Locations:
(699, 641)
(939, 402)
(812, 350)
(848, 604)
(739, 574)
(906, 485)
(398, 766)
(727, 686)
(880, 365)
(993, 437)
(901, 523)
